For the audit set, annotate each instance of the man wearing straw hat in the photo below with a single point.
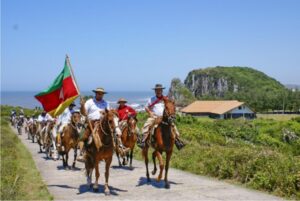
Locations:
(124, 112)
(155, 108)
(93, 109)
(63, 120)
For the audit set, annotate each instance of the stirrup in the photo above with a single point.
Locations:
(90, 140)
(179, 144)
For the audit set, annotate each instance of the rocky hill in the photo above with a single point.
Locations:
(246, 84)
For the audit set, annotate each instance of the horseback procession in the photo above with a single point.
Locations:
(96, 130)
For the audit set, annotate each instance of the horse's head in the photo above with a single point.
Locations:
(170, 110)
(110, 116)
(76, 121)
(132, 123)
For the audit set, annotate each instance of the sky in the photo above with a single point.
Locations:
(132, 45)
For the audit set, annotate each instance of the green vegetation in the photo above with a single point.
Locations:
(180, 93)
(262, 154)
(259, 91)
(20, 180)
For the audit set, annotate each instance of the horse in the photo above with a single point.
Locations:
(32, 129)
(41, 127)
(70, 139)
(49, 136)
(163, 141)
(19, 125)
(129, 138)
(104, 130)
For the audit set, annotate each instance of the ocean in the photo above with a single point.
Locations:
(136, 99)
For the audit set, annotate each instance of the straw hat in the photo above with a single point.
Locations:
(158, 86)
(100, 90)
(122, 100)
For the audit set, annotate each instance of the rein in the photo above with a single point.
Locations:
(105, 133)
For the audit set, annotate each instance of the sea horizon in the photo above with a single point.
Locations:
(26, 99)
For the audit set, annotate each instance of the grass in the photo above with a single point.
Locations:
(278, 117)
(253, 153)
(20, 180)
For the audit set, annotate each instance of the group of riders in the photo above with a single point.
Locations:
(52, 130)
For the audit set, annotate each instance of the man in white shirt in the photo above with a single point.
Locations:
(65, 117)
(45, 118)
(93, 109)
(155, 108)
(63, 120)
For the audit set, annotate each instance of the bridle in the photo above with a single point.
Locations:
(167, 117)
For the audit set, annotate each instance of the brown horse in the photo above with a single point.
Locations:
(48, 138)
(104, 129)
(129, 138)
(41, 127)
(32, 129)
(70, 139)
(163, 141)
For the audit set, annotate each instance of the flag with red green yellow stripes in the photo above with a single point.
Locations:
(61, 93)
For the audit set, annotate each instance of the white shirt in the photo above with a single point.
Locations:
(94, 107)
(30, 121)
(47, 117)
(65, 117)
(158, 108)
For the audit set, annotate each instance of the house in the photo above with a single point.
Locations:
(223, 109)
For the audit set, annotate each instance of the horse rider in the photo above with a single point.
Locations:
(93, 109)
(45, 118)
(155, 108)
(125, 112)
(21, 115)
(63, 120)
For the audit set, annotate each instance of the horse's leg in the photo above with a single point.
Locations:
(131, 155)
(107, 166)
(97, 175)
(145, 153)
(67, 158)
(118, 156)
(63, 159)
(168, 157)
(154, 163)
(125, 159)
(161, 165)
(89, 173)
(75, 156)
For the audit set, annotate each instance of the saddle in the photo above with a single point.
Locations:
(152, 130)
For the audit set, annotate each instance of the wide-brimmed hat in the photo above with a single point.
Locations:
(75, 111)
(158, 86)
(122, 100)
(72, 104)
(100, 89)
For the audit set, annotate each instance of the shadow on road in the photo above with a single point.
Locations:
(117, 167)
(60, 167)
(154, 183)
(113, 191)
(62, 186)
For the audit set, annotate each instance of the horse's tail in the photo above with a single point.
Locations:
(89, 164)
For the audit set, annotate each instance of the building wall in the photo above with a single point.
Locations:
(243, 109)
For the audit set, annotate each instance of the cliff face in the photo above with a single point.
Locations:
(241, 83)
(204, 84)
(180, 93)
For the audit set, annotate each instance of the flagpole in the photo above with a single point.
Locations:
(81, 98)
(72, 73)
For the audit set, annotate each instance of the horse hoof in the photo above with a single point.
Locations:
(153, 172)
(95, 188)
(167, 186)
(107, 192)
(148, 180)
(158, 179)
